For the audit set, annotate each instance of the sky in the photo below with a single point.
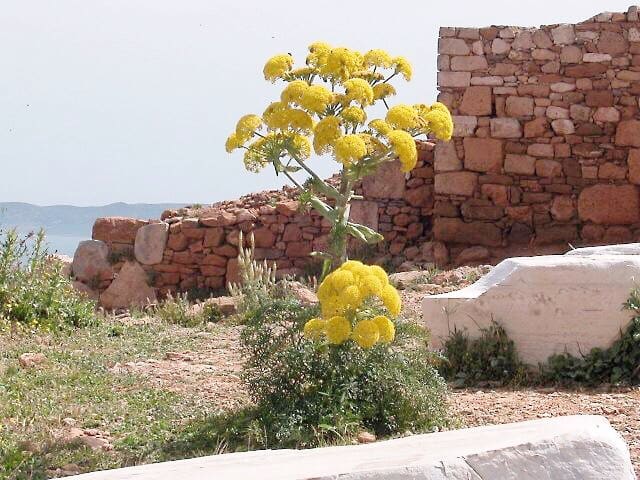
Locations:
(104, 101)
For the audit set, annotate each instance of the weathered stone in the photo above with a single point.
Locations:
(505, 128)
(633, 161)
(628, 133)
(596, 57)
(520, 164)
(500, 47)
(606, 114)
(554, 234)
(612, 43)
(468, 63)
(599, 98)
(519, 106)
(476, 101)
(541, 150)
(571, 54)
(464, 125)
(548, 168)
(91, 262)
(612, 171)
(536, 128)
(387, 182)
(473, 256)
(563, 35)
(563, 126)
(221, 218)
(473, 233)
(453, 46)
(446, 157)
(150, 243)
(129, 289)
(213, 237)
(454, 79)
(365, 213)
(562, 208)
(563, 87)
(456, 183)
(609, 204)
(116, 229)
(483, 154)
(31, 359)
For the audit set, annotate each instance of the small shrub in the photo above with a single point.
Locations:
(178, 310)
(33, 291)
(310, 393)
(490, 358)
(618, 364)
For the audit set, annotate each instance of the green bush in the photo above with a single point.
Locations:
(33, 291)
(492, 357)
(309, 393)
(179, 310)
(618, 364)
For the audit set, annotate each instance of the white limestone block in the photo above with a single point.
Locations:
(620, 249)
(563, 448)
(547, 304)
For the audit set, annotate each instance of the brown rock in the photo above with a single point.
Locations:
(116, 229)
(599, 98)
(609, 204)
(519, 106)
(483, 154)
(476, 101)
(592, 233)
(520, 164)
(628, 133)
(366, 212)
(556, 234)
(91, 262)
(292, 232)
(473, 256)
(612, 171)
(634, 166)
(474, 233)
(536, 128)
(505, 128)
(30, 359)
(520, 214)
(220, 218)
(498, 194)
(417, 197)
(562, 208)
(548, 168)
(213, 237)
(456, 183)
(264, 237)
(129, 289)
(298, 249)
(177, 242)
(612, 43)
(387, 182)
(446, 158)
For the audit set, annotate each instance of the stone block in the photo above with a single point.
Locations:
(454, 79)
(464, 125)
(91, 262)
(505, 128)
(563, 35)
(476, 100)
(483, 154)
(633, 161)
(519, 106)
(150, 243)
(387, 182)
(365, 213)
(453, 46)
(471, 63)
(543, 303)
(520, 164)
(609, 204)
(471, 233)
(628, 133)
(129, 289)
(446, 158)
(456, 183)
(116, 229)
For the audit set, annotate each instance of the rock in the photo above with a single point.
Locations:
(562, 208)
(366, 437)
(612, 43)
(468, 63)
(30, 359)
(226, 305)
(302, 293)
(473, 256)
(628, 133)
(217, 218)
(556, 296)
(563, 35)
(456, 183)
(476, 101)
(633, 161)
(483, 154)
(446, 157)
(519, 106)
(520, 164)
(606, 114)
(505, 128)
(563, 126)
(116, 229)
(129, 289)
(150, 243)
(365, 213)
(500, 47)
(91, 262)
(568, 448)
(387, 182)
(454, 79)
(178, 357)
(463, 126)
(609, 204)
(403, 280)
(473, 233)
(453, 46)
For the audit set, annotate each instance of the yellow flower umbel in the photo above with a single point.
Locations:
(277, 66)
(343, 298)
(404, 147)
(350, 149)
(315, 328)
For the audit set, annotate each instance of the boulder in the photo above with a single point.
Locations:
(387, 182)
(563, 448)
(129, 289)
(116, 229)
(150, 243)
(91, 262)
(609, 204)
(547, 304)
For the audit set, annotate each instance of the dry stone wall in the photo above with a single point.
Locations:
(546, 149)
(545, 155)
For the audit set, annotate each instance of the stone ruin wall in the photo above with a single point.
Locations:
(545, 155)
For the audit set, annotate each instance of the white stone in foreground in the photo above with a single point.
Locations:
(547, 304)
(563, 448)
(620, 249)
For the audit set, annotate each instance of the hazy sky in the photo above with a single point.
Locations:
(131, 100)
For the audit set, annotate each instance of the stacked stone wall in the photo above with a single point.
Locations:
(547, 135)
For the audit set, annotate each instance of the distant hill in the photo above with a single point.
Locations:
(67, 224)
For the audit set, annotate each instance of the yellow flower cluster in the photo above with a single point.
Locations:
(342, 295)
(323, 105)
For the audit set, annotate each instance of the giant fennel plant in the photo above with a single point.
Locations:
(323, 109)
